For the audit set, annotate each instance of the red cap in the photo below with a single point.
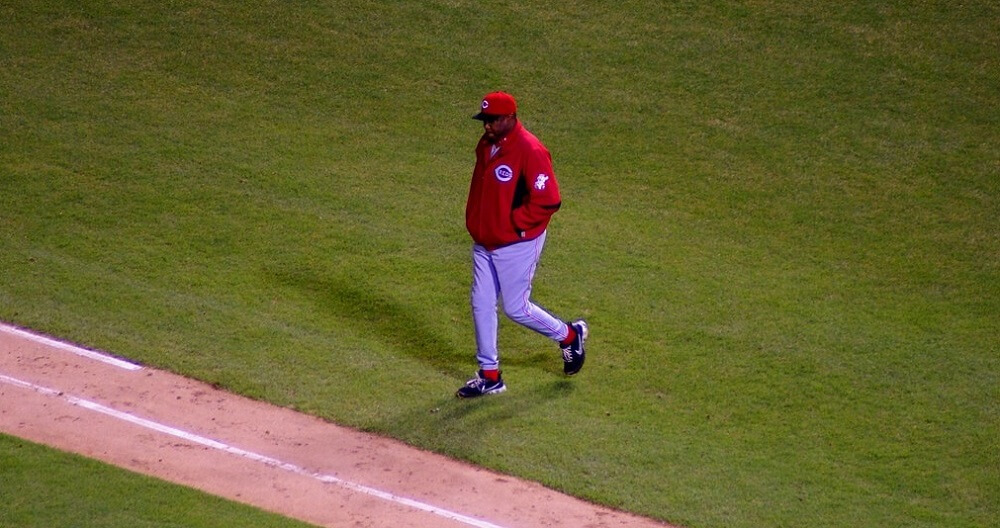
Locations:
(497, 104)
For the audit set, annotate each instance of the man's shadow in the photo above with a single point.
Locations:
(463, 424)
(392, 322)
(399, 326)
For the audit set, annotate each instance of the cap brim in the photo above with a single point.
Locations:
(483, 116)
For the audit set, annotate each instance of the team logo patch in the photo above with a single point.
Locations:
(504, 173)
(540, 181)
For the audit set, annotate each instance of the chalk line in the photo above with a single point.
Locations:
(104, 358)
(273, 462)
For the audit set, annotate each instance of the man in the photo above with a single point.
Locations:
(511, 199)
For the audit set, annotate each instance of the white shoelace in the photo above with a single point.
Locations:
(567, 354)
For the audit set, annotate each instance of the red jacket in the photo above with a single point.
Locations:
(513, 192)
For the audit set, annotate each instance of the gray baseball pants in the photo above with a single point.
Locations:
(506, 274)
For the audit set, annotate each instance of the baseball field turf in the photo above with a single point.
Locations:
(781, 220)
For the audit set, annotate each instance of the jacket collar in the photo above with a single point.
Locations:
(504, 141)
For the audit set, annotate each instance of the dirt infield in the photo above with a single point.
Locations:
(187, 432)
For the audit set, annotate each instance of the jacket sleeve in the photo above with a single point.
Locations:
(538, 198)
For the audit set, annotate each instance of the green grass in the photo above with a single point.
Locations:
(45, 488)
(780, 219)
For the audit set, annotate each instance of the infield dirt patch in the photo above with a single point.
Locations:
(184, 431)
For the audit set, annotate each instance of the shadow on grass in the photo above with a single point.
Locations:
(395, 324)
(462, 427)
(502, 407)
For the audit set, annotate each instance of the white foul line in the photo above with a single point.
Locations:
(273, 462)
(68, 347)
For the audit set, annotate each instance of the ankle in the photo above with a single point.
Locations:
(570, 336)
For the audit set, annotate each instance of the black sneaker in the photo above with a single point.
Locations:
(480, 386)
(573, 355)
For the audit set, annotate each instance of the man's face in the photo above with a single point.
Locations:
(496, 127)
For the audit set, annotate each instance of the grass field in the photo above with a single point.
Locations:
(782, 221)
